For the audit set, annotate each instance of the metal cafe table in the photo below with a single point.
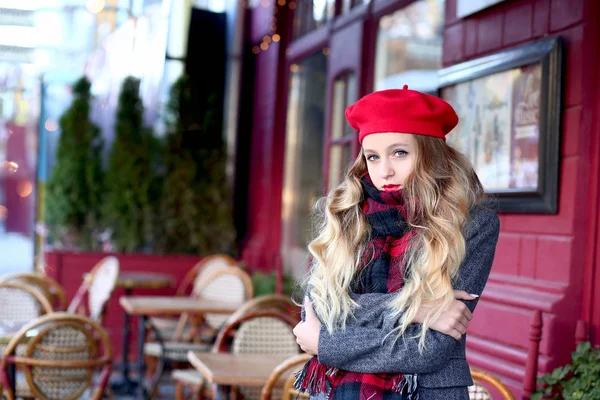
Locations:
(149, 306)
(130, 280)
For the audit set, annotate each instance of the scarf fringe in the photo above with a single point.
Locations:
(406, 385)
(313, 377)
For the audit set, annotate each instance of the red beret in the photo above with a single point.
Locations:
(403, 111)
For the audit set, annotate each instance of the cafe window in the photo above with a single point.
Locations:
(348, 5)
(342, 134)
(303, 167)
(409, 47)
(312, 14)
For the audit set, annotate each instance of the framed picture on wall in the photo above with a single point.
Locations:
(509, 106)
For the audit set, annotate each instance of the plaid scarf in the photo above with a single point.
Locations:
(381, 271)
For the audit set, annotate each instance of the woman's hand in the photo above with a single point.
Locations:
(307, 331)
(452, 322)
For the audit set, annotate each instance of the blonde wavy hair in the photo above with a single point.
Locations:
(439, 192)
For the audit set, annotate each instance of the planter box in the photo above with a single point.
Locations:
(68, 269)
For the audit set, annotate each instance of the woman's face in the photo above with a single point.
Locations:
(390, 157)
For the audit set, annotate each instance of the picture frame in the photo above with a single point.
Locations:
(509, 106)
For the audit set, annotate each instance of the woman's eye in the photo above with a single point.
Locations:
(400, 153)
(372, 158)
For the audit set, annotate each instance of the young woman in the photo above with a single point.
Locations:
(403, 251)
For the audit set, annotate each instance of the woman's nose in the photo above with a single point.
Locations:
(386, 169)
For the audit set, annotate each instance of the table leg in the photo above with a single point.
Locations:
(125, 385)
(222, 392)
(126, 334)
(12, 377)
(141, 395)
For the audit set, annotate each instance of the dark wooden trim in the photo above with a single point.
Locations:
(385, 7)
(360, 12)
(308, 44)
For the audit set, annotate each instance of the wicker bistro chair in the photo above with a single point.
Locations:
(286, 368)
(260, 332)
(229, 285)
(190, 380)
(479, 392)
(22, 302)
(60, 361)
(192, 283)
(51, 289)
(273, 302)
(97, 287)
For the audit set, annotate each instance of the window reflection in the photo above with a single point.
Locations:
(339, 159)
(409, 47)
(347, 5)
(303, 174)
(342, 134)
(312, 14)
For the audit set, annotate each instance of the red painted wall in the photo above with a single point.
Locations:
(541, 260)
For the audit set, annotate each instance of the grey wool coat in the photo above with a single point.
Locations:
(442, 370)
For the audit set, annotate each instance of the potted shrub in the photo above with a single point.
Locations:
(195, 210)
(74, 190)
(265, 282)
(130, 177)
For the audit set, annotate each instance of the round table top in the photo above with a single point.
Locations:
(141, 280)
(144, 280)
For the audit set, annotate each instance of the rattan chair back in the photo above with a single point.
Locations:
(260, 332)
(60, 361)
(481, 381)
(98, 287)
(286, 368)
(273, 302)
(228, 285)
(22, 302)
(53, 290)
(205, 267)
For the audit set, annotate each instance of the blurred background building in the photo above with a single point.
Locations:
(45, 46)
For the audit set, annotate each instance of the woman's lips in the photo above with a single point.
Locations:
(391, 188)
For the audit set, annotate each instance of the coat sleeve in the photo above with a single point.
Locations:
(373, 348)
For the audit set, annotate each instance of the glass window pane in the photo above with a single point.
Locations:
(339, 158)
(347, 5)
(344, 94)
(409, 47)
(303, 169)
(339, 91)
(312, 14)
(351, 97)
